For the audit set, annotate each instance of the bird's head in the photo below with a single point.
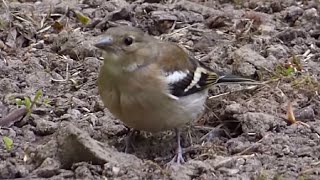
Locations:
(126, 46)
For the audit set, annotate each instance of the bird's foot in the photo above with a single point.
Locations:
(129, 140)
(178, 158)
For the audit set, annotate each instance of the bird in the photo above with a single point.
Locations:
(154, 85)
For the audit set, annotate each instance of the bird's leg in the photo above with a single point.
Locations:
(178, 158)
(129, 140)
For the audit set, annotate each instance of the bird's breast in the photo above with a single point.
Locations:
(144, 107)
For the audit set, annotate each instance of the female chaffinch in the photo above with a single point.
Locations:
(152, 85)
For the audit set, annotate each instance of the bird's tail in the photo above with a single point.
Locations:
(232, 79)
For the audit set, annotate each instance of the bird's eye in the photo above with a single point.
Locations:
(128, 40)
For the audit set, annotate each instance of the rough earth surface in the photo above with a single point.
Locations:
(245, 133)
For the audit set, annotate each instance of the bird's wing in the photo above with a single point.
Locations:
(191, 80)
(184, 74)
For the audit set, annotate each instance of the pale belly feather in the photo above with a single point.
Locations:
(154, 114)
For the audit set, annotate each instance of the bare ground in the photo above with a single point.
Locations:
(245, 132)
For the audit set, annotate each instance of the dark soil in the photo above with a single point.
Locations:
(245, 132)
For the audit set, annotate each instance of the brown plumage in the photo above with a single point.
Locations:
(152, 85)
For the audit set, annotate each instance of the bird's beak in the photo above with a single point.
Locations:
(104, 42)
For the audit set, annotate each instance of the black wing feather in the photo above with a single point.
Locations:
(183, 87)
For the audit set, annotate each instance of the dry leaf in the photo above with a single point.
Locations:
(57, 26)
(290, 114)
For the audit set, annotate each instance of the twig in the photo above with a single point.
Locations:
(223, 94)
(226, 161)
(207, 57)
(248, 27)
(210, 132)
(177, 31)
(20, 18)
(44, 29)
(4, 59)
(63, 80)
(205, 128)
(254, 145)
(198, 8)
(304, 124)
(5, 4)
(7, 10)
